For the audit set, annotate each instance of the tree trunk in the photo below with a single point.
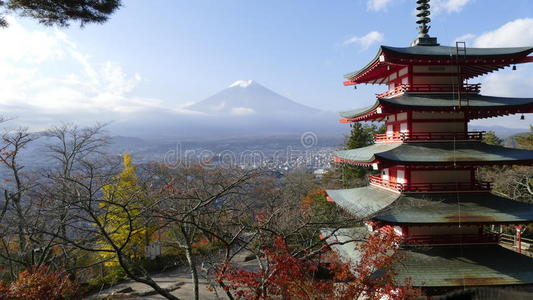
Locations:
(192, 263)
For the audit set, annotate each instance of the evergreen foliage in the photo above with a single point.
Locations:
(361, 135)
(491, 138)
(60, 12)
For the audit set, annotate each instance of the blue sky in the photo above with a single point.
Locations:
(162, 55)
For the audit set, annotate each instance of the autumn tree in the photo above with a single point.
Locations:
(525, 141)
(67, 147)
(35, 202)
(325, 276)
(315, 203)
(124, 200)
(20, 212)
(288, 209)
(197, 203)
(514, 182)
(99, 210)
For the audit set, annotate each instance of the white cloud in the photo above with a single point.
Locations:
(448, 6)
(515, 33)
(367, 40)
(45, 78)
(467, 38)
(241, 111)
(378, 5)
(508, 83)
(21, 45)
(517, 83)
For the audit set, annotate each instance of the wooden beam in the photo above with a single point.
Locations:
(524, 60)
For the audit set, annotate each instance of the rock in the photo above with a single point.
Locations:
(125, 290)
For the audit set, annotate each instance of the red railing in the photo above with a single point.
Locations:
(430, 186)
(453, 239)
(428, 136)
(448, 186)
(432, 88)
(376, 180)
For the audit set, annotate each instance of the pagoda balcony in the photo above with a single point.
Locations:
(428, 136)
(431, 88)
(453, 239)
(430, 186)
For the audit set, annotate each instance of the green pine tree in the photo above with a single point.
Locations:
(491, 138)
(361, 135)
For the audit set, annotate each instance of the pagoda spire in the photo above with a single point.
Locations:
(423, 19)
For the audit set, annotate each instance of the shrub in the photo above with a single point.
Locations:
(40, 283)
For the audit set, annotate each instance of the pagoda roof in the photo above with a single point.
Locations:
(431, 208)
(477, 61)
(464, 266)
(475, 106)
(435, 153)
(448, 266)
(447, 51)
(363, 202)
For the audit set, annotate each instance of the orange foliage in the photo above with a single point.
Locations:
(312, 197)
(287, 276)
(40, 284)
(201, 243)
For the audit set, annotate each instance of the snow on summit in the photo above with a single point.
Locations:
(248, 97)
(242, 83)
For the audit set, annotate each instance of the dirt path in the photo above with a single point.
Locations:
(180, 276)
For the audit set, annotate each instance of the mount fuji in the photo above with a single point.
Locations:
(243, 109)
(247, 97)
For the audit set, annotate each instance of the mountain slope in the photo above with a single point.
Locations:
(246, 108)
(247, 97)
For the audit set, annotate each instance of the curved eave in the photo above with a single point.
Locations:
(370, 67)
(362, 156)
(353, 162)
(490, 265)
(433, 267)
(436, 153)
(431, 208)
(447, 101)
(479, 61)
(460, 208)
(363, 202)
(475, 106)
(369, 113)
(445, 52)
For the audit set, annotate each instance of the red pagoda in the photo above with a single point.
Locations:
(427, 190)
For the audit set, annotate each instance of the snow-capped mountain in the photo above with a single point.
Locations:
(245, 108)
(247, 97)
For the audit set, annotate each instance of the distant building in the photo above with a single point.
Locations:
(319, 173)
(427, 191)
